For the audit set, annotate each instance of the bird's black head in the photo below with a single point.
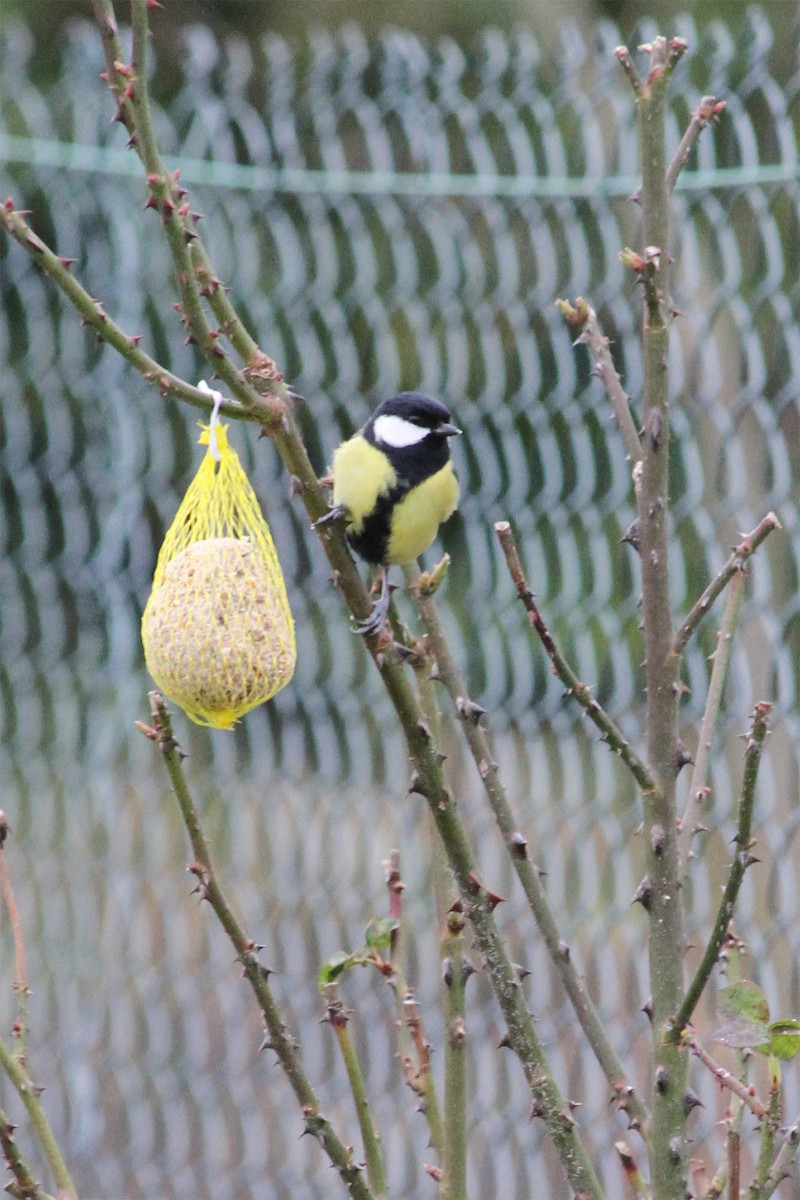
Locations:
(409, 419)
(413, 431)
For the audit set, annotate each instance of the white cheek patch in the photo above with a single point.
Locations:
(396, 431)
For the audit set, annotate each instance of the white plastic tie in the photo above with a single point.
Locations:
(218, 398)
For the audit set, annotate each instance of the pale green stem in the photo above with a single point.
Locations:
(339, 1019)
(454, 1180)
(29, 1094)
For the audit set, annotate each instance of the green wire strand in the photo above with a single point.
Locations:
(106, 160)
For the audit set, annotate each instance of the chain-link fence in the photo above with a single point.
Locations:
(389, 213)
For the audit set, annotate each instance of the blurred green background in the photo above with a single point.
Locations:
(400, 194)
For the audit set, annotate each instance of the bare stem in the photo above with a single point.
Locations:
(747, 547)
(257, 975)
(23, 1186)
(473, 721)
(339, 1019)
(698, 787)
(455, 972)
(734, 1163)
(741, 861)
(94, 315)
(665, 911)
(411, 1040)
(769, 1131)
(19, 1028)
(783, 1164)
(706, 112)
(582, 315)
(623, 56)
(633, 1176)
(727, 1080)
(30, 1094)
(611, 734)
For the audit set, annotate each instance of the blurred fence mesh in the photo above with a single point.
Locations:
(389, 213)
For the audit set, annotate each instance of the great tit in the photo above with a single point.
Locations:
(394, 483)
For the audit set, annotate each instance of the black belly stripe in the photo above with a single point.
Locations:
(371, 541)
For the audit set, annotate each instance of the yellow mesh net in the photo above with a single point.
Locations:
(217, 631)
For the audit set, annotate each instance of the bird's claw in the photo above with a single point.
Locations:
(380, 610)
(333, 514)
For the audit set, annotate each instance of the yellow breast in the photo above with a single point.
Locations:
(417, 517)
(360, 474)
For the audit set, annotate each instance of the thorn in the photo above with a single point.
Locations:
(683, 756)
(468, 710)
(691, 1100)
(519, 846)
(644, 894)
(415, 784)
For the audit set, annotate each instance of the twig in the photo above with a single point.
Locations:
(707, 110)
(410, 1033)
(741, 861)
(123, 90)
(338, 1017)
(623, 56)
(698, 786)
(455, 970)
(769, 1130)
(29, 1094)
(783, 1163)
(14, 1063)
(472, 719)
(23, 1186)
(20, 1026)
(666, 940)
(633, 1176)
(582, 315)
(747, 547)
(611, 734)
(745, 1092)
(734, 1163)
(278, 1039)
(93, 314)
(167, 199)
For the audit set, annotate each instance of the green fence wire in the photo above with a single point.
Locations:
(388, 213)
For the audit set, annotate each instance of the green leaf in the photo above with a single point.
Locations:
(378, 934)
(330, 971)
(745, 999)
(739, 1033)
(746, 1011)
(784, 1039)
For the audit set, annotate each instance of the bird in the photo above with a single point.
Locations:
(394, 484)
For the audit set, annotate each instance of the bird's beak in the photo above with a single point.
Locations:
(447, 430)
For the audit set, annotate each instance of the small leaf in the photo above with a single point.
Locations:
(378, 934)
(739, 1032)
(745, 999)
(784, 1039)
(330, 971)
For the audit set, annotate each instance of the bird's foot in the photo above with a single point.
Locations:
(376, 620)
(333, 514)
